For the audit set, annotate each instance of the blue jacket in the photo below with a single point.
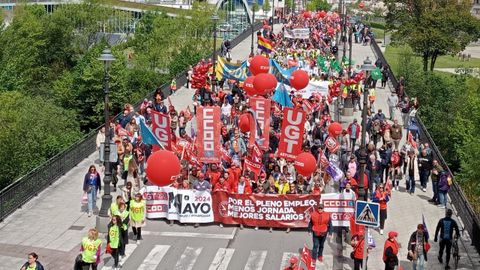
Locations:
(86, 179)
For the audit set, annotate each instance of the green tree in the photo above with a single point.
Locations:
(266, 6)
(432, 28)
(33, 130)
(315, 5)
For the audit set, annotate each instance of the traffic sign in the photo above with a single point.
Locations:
(367, 213)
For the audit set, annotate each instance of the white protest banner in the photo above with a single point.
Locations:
(341, 206)
(320, 87)
(186, 206)
(297, 33)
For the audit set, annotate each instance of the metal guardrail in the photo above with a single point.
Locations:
(458, 199)
(28, 186)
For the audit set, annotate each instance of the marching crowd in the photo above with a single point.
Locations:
(390, 159)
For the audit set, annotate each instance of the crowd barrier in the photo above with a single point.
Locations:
(31, 184)
(464, 210)
(256, 210)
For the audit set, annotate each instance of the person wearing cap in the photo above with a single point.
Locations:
(446, 227)
(293, 264)
(390, 251)
(417, 248)
(321, 225)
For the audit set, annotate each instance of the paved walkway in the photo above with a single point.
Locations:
(53, 223)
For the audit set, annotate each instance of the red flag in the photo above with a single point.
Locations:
(255, 167)
(306, 258)
(323, 160)
(225, 155)
(262, 108)
(291, 140)
(208, 142)
(410, 139)
(307, 106)
(332, 144)
(161, 129)
(256, 153)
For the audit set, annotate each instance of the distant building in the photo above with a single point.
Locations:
(476, 8)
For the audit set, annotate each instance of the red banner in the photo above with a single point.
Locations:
(255, 167)
(264, 210)
(291, 140)
(257, 154)
(161, 129)
(332, 144)
(261, 107)
(208, 140)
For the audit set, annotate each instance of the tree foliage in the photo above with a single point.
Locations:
(33, 130)
(51, 82)
(448, 106)
(431, 27)
(317, 5)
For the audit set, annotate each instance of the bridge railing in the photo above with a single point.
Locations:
(28, 186)
(458, 199)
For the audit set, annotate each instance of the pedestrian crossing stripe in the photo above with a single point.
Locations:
(367, 213)
(221, 261)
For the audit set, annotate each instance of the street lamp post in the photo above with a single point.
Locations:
(273, 13)
(102, 220)
(252, 23)
(362, 190)
(215, 20)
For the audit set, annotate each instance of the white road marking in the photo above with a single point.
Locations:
(154, 257)
(188, 258)
(286, 259)
(256, 260)
(222, 258)
(192, 235)
(129, 249)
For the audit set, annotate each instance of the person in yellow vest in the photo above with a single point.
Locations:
(137, 216)
(371, 98)
(125, 217)
(173, 86)
(91, 247)
(114, 239)
(32, 263)
(114, 206)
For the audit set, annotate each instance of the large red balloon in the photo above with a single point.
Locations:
(162, 165)
(335, 129)
(299, 79)
(305, 164)
(307, 15)
(244, 123)
(248, 86)
(361, 5)
(321, 14)
(264, 83)
(259, 64)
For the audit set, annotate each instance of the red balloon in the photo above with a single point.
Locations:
(248, 86)
(307, 14)
(305, 164)
(299, 79)
(259, 64)
(361, 5)
(264, 83)
(330, 31)
(335, 129)
(162, 165)
(321, 14)
(244, 123)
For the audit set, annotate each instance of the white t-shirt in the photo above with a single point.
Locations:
(226, 109)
